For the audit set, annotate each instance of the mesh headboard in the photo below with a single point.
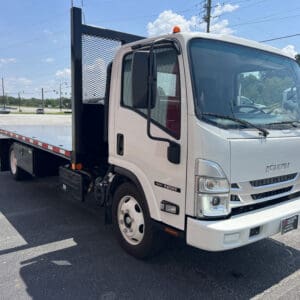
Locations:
(97, 53)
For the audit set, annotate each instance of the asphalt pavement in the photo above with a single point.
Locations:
(52, 247)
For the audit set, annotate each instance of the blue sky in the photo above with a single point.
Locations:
(35, 51)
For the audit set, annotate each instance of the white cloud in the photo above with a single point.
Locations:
(24, 81)
(290, 50)
(66, 72)
(168, 19)
(49, 60)
(4, 61)
(221, 9)
(221, 26)
(47, 32)
(16, 84)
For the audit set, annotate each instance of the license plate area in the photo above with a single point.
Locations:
(289, 224)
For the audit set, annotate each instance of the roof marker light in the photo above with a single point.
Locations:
(176, 29)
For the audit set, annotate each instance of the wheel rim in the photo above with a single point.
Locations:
(131, 220)
(13, 162)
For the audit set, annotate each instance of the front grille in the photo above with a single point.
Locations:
(234, 186)
(272, 180)
(235, 198)
(247, 208)
(271, 193)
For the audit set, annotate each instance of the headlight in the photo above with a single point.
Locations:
(212, 185)
(212, 205)
(212, 191)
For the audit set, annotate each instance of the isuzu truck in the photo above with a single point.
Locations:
(190, 134)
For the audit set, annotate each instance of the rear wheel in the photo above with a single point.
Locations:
(15, 171)
(132, 223)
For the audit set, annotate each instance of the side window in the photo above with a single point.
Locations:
(167, 110)
(126, 81)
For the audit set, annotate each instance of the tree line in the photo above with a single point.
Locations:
(35, 102)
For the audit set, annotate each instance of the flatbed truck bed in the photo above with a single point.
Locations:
(52, 133)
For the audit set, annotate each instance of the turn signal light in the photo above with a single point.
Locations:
(169, 207)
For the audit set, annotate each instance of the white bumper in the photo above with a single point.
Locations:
(235, 232)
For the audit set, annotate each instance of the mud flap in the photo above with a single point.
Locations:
(72, 182)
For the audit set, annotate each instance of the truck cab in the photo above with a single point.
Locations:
(237, 178)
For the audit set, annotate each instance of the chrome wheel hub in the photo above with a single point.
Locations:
(131, 220)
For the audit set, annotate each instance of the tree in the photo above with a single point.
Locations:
(298, 58)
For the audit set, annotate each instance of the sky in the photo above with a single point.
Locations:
(35, 34)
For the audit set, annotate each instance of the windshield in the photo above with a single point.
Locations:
(246, 83)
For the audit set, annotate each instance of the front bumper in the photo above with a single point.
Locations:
(235, 232)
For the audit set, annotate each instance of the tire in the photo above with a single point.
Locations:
(16, 172)
(132, 224)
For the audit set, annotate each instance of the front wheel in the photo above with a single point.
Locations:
(132, 223)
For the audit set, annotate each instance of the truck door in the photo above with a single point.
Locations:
(133, 150)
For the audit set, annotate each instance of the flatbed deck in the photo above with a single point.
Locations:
(52, 133)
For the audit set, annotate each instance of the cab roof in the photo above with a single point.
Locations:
(187, 36)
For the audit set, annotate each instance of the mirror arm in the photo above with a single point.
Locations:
(174, 148)
(151, 79)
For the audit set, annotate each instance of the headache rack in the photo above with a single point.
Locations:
(92, 51)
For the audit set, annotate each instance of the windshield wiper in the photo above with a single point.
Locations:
(265, 132)
(293, 123)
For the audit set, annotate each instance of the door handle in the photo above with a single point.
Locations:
(120, 144)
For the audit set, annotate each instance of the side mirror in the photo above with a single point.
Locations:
(143, 70)
(144, 88)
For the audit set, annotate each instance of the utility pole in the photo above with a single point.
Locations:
(42, 98)
(60, 94)
(3, 93)
(207, 17)
(60, 100)
(19, 94)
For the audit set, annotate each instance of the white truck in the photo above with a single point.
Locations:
(160, 135)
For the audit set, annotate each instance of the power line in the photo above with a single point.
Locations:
(264, 20)
(281, 38)
(280, 13)
(251, 4)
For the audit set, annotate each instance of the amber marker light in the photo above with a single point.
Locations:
(77, 166)
(176, 29)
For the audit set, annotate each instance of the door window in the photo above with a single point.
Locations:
(167, 110)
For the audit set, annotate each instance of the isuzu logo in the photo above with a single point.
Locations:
(277, 167)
